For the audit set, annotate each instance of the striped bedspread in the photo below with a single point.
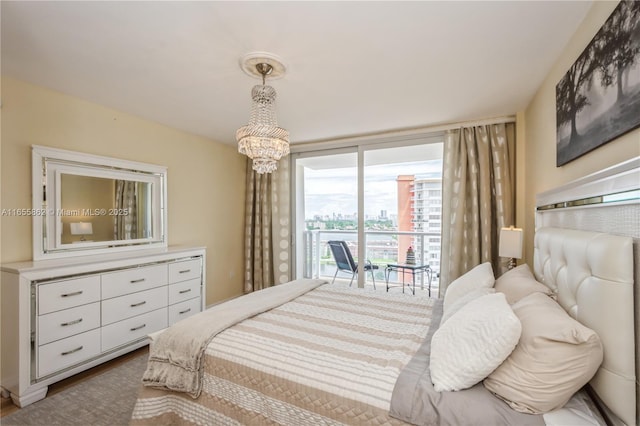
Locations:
(331, 356)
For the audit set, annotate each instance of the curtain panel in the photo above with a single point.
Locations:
(267, 228)
(478, 193)
(125, 227)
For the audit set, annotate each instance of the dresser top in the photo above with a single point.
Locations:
(124, 259)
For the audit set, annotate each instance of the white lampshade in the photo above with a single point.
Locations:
(81, 228)
(510, 243)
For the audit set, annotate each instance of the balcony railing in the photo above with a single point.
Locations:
(382, 248)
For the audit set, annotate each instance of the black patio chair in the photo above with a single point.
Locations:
(344, 261)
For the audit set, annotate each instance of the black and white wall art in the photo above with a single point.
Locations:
(598, 99)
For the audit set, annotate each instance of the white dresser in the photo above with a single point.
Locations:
(60, 317)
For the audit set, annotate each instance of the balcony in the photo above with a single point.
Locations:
(382, 248)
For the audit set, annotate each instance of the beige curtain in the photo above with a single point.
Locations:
(126, 226)
(267, 228)
(478, 193)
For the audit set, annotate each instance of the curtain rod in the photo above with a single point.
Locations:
(394, 135)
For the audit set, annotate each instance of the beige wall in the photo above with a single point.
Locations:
(86, 192)
(206, 179)
(539, 121)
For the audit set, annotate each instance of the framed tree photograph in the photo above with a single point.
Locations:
(598, 99)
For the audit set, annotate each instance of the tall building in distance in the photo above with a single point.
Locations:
(420, 211)
(405, 213)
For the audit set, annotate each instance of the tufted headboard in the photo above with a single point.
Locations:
(584, 230)
(592, 276)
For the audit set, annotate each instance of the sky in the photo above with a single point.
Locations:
(329, 191)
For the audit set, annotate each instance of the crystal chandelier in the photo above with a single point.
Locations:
(262, 140)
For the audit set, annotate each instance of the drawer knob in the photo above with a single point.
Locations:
(185, 311)
(64, 324)
(75, 293)
(184, 271)
(133, 305)
(72, 351)
(184, 291)
(138, 327)
(139, 280)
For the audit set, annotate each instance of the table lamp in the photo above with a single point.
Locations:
(81, 228)
(510, 245)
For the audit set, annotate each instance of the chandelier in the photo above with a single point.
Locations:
(262, 140)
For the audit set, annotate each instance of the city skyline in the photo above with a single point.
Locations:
(334, 191)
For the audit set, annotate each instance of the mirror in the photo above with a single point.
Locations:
(85, 204)
(101, 209)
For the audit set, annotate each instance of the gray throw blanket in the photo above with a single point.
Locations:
(415, 401)
(176, 355)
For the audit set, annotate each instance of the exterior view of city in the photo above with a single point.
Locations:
(388, 237)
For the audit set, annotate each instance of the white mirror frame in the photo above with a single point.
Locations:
(48, 164)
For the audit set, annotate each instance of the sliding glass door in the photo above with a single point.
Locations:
(381, 199)
(326, 208)
(402, 206)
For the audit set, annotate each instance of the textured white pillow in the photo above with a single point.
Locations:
(479, 277)
(473, 343)
(461, 301)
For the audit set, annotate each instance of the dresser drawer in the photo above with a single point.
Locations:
(67, 352)
(128, 306)
(136, 279)
(59, 295)
(184, 290)
(131, 329)
(185, 270)
(183, 310)
(61, 324)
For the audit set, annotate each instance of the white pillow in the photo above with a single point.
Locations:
(461, 301)
(473, 343)
(479, 277)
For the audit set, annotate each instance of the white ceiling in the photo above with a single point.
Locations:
(352, 67)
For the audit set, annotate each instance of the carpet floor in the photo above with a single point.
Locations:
(103, 400)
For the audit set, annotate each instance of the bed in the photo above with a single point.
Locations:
(326, 354)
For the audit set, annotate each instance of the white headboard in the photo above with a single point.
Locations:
(592, 276)
(587, 247)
